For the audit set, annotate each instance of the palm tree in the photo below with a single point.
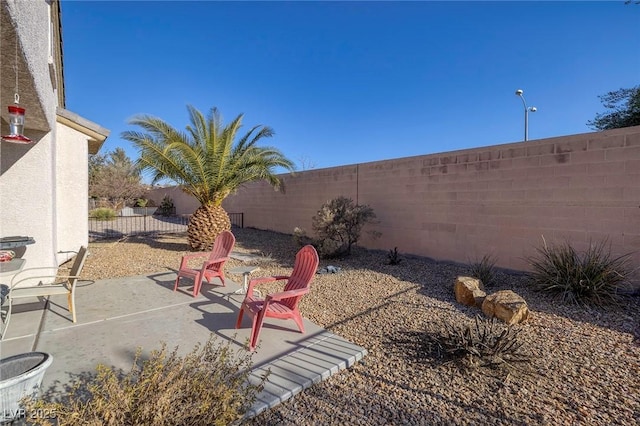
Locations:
(206, 162)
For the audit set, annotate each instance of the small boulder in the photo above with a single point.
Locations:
(469, 291)
(506, 305)
(330, 269)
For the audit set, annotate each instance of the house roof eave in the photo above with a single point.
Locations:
(96, 133)
(58, 52)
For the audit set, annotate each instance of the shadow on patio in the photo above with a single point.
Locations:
(116, 316)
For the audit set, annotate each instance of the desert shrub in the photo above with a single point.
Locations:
(141, 202)
(592, 277)
(300, 237)
(206, 387)
(166, 207)
(102, 213)
(484, 270)
(393, 257)
(338, 225)
(487, 343)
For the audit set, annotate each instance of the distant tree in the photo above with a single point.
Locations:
(114, 177)
(96, 163)
(623, 110)
(306, 163)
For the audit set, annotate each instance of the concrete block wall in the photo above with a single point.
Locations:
(303, 195)
(499, 200)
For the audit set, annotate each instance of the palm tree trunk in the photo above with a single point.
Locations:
(207, 222)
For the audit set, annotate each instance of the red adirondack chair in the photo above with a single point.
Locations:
(283, 305)
(212, 267)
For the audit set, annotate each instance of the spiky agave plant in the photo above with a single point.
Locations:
(487, 343)
(208, 161)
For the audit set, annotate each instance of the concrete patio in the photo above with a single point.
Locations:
(116, 316)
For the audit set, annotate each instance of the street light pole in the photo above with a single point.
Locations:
(519, 92)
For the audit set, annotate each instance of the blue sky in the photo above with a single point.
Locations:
(352, 82)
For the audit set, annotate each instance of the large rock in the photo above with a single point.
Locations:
(507, 306)
(469, 291)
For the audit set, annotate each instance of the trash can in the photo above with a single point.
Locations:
(20, 375)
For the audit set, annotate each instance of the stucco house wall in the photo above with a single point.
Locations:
(71, 185)
(26, 197)
(43, 185)
(30, 25)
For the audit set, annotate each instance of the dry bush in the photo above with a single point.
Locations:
(337, 226)
(103, 213)
(206, 387)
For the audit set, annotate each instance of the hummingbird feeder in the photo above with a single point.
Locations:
(16, 126)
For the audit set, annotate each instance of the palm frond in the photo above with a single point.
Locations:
(209, 160)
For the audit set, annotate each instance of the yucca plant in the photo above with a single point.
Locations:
(484, 270)
(593, 277)
(207, 162)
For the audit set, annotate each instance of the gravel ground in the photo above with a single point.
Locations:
(585, 365)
